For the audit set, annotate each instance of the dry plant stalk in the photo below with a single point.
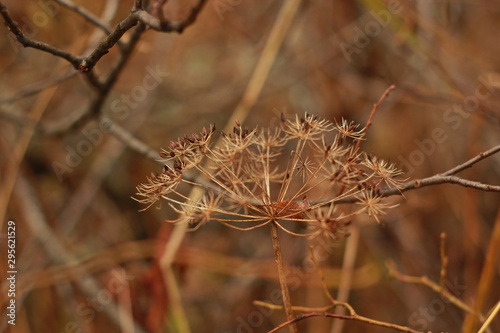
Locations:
(308, 312)
(294, 174)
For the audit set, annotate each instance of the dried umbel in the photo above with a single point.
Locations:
(293, 174)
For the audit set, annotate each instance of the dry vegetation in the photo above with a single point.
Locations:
(93, 117)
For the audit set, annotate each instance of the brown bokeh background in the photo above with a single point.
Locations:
(85, 250)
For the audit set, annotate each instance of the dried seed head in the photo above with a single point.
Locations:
(259, 176)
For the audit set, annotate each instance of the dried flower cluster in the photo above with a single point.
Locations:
(292, 174)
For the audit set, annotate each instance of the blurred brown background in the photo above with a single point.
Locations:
(87, 259)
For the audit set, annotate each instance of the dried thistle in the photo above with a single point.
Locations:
(292, 174)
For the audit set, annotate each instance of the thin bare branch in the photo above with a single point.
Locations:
(95, 106)
(86, 14)
(85, 64)
(345, 317)
(424, 280)
(472, 161)
(167, 26)
(135, 17)
(27, 42)
(374, 109)
(130, 140)
(37, 87)
(444, 260)
(107, 43)
(442, 178)
(282, 277)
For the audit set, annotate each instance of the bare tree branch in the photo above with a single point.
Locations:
(473, 161)
(137, 16)
(130, 140)
(26, 42)
(103, 48)
(37, 87)
(85, 64)
(374, 109)
(95, 106)
(355, 317)
(446, 177)
(89, 16)
(159, 24)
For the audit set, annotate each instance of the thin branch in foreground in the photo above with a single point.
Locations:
(130, 140)
(352, 313)
(492, 315)
(424, 280)
(27, 42)
(442, 179)
(472, 161)
(374, 109)
(133, 19)
(85, 64)
(345, 317)
(446, 177)
(86, 14)
(94, 108)
(322, 276)
(37, 87)
(107, 43)
(159, 24)
(444, 261)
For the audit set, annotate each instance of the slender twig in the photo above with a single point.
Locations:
(27, 42)
(95, 106)
(107, 43)
(345, 317)
(472, 161)
(490, 318)
(322, 276)
(37, 87)
(444, 261)
(374, 109)
(133, 19)
(446, 177)
(86, 64)
(282, 277)
(424, 280)
(295, 307)
(487, 277)
(130, 140)
(352, 314)
(347, 275)
(168, 26)
(86, 14)
(440, 179)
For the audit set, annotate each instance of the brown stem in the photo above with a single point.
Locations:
(374, 109)
(282, 278)
(345, 317)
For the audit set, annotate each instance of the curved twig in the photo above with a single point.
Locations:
(86, 14)
(344, 317)
(27, 42)
(86, 64)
